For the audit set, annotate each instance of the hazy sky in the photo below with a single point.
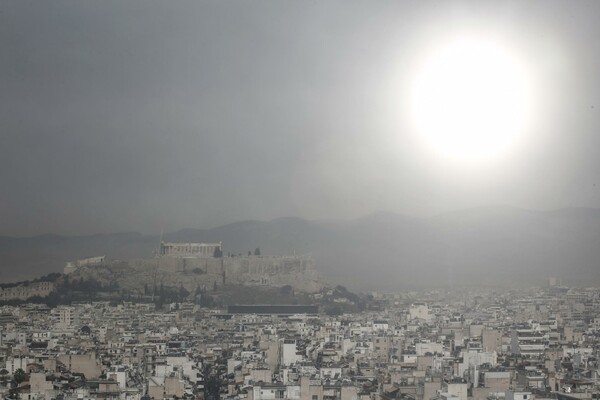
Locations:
(149, 115)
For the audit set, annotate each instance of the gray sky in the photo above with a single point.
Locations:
(150, 115)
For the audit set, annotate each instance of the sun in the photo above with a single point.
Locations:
(470, 100)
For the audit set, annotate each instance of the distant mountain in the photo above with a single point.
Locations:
(489, 246)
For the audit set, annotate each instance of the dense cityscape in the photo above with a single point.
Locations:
(445, 344)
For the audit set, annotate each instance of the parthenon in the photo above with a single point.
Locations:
(195, 250)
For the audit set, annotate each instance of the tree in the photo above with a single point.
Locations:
(3, 375)
(19, 376)
(334, 311)
(218, 253)
(286, 290)
(257, 251)
(183, 293)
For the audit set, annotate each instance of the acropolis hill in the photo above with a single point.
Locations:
(193, 265)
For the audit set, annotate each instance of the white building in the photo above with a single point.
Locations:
(289, 353)
(419, 311)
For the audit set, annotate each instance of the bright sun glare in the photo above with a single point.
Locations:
(470, 100)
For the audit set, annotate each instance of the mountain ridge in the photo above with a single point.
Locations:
(382, 250)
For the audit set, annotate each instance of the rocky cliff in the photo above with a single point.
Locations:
(191, 273)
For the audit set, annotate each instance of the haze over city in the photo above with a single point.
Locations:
(299, 200)
(151, 116)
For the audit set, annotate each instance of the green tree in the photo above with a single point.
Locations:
(257, 251)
